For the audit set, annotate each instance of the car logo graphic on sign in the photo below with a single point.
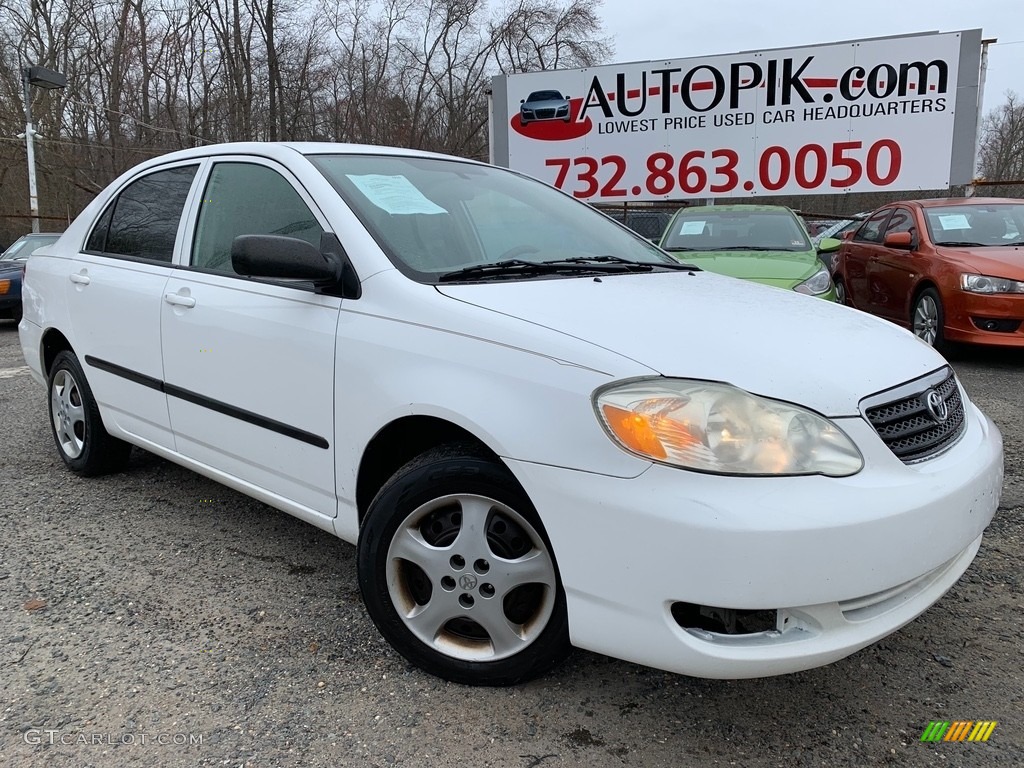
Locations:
(936, 406)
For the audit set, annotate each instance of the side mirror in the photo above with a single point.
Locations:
(276, 256)
(522, 101)
(290, 258)
(903, 240)
(828, 245)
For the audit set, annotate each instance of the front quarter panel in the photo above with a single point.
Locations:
(466, 366)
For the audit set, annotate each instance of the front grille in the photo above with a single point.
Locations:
(545, 113)
(907, 425)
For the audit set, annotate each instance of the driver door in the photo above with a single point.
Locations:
(893, 271)
(249, 363)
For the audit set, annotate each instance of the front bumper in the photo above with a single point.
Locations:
(967, 315)
(843, 561)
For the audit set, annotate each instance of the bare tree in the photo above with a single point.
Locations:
(149, 76)
(1001, 150)
(531, 35)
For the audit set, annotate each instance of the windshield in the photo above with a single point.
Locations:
(978, 224)
(23, 247)
(544, 96)
(709, 230)
(433, 217)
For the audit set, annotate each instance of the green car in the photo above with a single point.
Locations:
(764, 243)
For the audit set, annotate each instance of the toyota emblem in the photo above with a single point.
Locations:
(467, 581)
(936, 406)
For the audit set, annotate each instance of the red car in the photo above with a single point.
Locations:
(951, 270)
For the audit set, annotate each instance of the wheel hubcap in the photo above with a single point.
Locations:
(840, 293)
(471, 578)
(68, 414)
(926, 320)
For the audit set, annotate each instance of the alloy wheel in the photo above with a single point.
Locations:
(68, 413)
(471, 578)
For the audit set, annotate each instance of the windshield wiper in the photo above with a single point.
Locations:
(1011, 245)
(965, 243)
(603, 264)
(619, 260)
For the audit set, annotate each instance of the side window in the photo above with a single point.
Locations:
(247, 199)
(142, 222)
(902, 221)
(871, 230)
(98, 239)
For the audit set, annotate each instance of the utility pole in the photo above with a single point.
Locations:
(41, 78)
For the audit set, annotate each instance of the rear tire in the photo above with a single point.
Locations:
(458, 574)
(75, 422)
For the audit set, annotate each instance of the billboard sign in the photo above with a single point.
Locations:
(895, 113)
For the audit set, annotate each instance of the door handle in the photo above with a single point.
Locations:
(79, 279)
(178, 300)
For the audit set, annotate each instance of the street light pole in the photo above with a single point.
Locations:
(42, 78)
(30, 147)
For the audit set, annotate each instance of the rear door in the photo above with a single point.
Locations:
(859, 250)
(114, 293)
(249, 364)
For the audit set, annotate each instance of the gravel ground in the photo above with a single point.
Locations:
(156, 618)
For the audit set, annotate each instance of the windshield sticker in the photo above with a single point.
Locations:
(394, 194)
(692, 228)
(953, 221)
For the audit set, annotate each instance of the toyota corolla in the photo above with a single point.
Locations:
(538, 429)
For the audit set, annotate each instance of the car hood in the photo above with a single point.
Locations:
(786, 266)
(698, 325)
(997, 261)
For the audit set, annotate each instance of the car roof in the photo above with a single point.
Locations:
(286, 150)
(942, 201)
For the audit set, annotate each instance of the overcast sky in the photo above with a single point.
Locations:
(676, 29)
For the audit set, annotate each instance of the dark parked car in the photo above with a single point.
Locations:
(951, 270)
(544, 105)
(12, 269)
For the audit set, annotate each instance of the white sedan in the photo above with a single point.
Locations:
(538, 428)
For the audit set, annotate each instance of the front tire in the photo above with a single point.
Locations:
(457, 573)
(841, 291)
(82, 442)
(927, 318)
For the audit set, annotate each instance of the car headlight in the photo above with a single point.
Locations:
(987, 284)
(816, 284)
(718, 428)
